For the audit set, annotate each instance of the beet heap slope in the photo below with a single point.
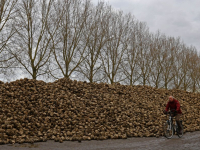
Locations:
(33, 111)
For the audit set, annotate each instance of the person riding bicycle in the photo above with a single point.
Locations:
(174, 105)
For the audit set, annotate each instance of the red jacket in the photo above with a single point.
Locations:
(174, 105)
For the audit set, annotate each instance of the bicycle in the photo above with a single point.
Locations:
(170, 128)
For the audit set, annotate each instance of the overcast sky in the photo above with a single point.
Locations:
(172, 17)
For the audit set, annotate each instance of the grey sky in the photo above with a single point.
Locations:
(172, 17)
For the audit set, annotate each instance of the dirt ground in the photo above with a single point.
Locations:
(190, 141)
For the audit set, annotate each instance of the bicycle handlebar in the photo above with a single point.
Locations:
(171, 112)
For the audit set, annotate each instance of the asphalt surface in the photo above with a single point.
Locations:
(189, 141)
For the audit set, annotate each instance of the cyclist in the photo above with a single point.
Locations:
(174, 104)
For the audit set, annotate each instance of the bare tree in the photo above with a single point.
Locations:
(145, 61)
(178, 65)
(95, 32)
(68, 44)
(159, 56)
(185, 57)
(130, 63)
(7, 13)
(168, 62)
(194, 69)
(31, 44)
(112, 56)
(198, 74)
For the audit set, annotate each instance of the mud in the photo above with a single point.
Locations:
(190, 141)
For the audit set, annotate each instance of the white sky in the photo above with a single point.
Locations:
(172, 17)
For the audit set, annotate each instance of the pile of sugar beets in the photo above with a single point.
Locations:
(35, 111)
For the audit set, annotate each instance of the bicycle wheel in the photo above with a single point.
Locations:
(180, 134)
(169, 132)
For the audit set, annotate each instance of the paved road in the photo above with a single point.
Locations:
(190, 141)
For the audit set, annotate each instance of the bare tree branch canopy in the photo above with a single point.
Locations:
(68, 47)
(7, 13)
(184, 71)
(75, 39)
(194, 70)
(145, 61)
(130, 63)
(167, 61)
(112, 56)
(31, 44)
(158, 55)
(177, 64)
(95, 33)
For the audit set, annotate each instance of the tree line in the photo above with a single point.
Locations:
(48, 40)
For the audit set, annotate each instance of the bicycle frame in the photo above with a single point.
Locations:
(170, 122)
(171, 127)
